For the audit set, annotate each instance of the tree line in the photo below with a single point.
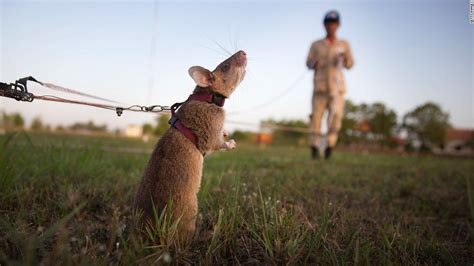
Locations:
(422, 128)
(15, 121)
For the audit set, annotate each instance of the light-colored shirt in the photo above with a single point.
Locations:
(328, 59)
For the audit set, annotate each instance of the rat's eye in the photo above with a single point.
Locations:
(225, 67)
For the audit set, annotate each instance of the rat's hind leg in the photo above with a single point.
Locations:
(187, 210)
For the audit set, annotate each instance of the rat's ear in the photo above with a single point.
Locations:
(201, 76)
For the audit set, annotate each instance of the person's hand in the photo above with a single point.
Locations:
(341, 55)
(339, 58)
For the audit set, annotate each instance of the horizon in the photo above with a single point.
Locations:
(405, 54)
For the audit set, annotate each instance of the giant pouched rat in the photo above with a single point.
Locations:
(173, 173)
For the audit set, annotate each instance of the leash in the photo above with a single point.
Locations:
(19, 91)
(71, 91)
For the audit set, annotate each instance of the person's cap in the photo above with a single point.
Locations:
(331, 16)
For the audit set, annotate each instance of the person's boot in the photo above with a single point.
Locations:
(327, 153)
(314, 152)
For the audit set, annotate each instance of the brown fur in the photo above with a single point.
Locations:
(173, 173)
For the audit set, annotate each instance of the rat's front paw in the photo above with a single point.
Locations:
(230, 145)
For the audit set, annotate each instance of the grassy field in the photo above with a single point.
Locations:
(66, 200)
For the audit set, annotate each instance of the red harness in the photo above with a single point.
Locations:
(208, 97)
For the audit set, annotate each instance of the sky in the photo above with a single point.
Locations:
(406, 53)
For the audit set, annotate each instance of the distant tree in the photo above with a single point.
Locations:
(162, 124)
(147, 129)
(283, 136)
(18, 121)
(59, 128)
(37, 124)
(349, 121)
(240, 135)
(12, 121)
(361, 112)
(382, 121)
(88, 126)
(427, 124)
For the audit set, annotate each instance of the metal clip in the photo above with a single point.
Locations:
(119, 111)
(173, 120)
(18, 90)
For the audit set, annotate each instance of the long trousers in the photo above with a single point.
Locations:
(334, 104)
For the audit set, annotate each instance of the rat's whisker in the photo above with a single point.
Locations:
(223, 48)
(229, 36)
(214, 50)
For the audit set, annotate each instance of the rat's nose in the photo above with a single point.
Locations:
(241, 58)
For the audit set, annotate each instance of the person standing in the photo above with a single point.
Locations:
(327, 57)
